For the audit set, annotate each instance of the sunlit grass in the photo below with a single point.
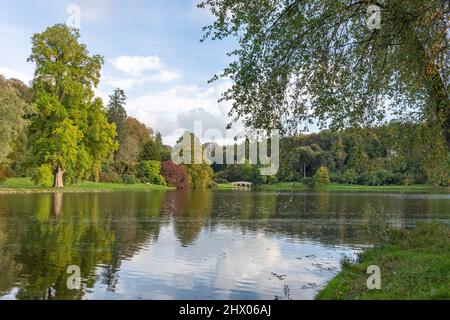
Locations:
(224, 186)
(297, 186)
(27, 185)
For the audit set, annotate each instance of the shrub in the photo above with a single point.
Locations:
(349, 176)
(243, 172)
(150, 172)
(220, 180)
(130, 179)
(43, 176)
(381, 177)
(321, 178)
(123, 167)
(108, 174)
(175, 175)
(269, 179)
(109, 177)
(397, 178)
(384, 176)
(336, 177)
(307, 181)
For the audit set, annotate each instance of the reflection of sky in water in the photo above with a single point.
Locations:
(225, 264)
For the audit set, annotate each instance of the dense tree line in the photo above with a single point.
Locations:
(57, 131)
(390, 154)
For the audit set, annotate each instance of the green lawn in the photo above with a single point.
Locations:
(26, 185)
(297, 186)
(224, 186)
(414, 265)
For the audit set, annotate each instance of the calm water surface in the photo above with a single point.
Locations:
(192, 245)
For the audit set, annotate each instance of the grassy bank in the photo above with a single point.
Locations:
(224, 186)
(297, 186)
(25, 185)
(414, 264)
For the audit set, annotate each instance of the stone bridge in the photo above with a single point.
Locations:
(242, 184)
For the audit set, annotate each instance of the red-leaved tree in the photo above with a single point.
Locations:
(175, 175)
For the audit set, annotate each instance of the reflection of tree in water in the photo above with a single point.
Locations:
(327, 217)
(331, 217)
(70, 236)
(130, 235)
(248, 211)
(7, 262)
(190, 210)
(70, 229)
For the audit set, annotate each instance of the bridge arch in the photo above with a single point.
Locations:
(242, 184)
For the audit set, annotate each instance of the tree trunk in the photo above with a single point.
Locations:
(59, 182)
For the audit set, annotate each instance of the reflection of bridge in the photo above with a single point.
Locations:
(242, 184)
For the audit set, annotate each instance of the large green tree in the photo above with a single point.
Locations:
(151, 151)
(13, 108)
(69, 130)
(136, 136)
(300, 60)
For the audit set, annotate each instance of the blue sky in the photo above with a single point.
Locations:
(151, 49)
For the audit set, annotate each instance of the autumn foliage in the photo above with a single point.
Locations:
(175, 175)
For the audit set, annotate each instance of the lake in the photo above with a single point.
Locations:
(193, 245)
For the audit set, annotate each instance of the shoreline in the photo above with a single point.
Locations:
(49, 191)
(334, 187)
(413, 265)
(26, 186)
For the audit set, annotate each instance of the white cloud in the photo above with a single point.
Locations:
(11, 73)
(176, 109)
(127, 83)
(238, 262)
(136, 65)
(139, 70)
(96, 11)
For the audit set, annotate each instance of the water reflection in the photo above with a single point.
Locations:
(190, 245)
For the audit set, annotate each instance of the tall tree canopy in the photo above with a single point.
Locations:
(70, 131)
(13, 108)
(116, 111)
(136, 136)
(300, 60)
(153, 149)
